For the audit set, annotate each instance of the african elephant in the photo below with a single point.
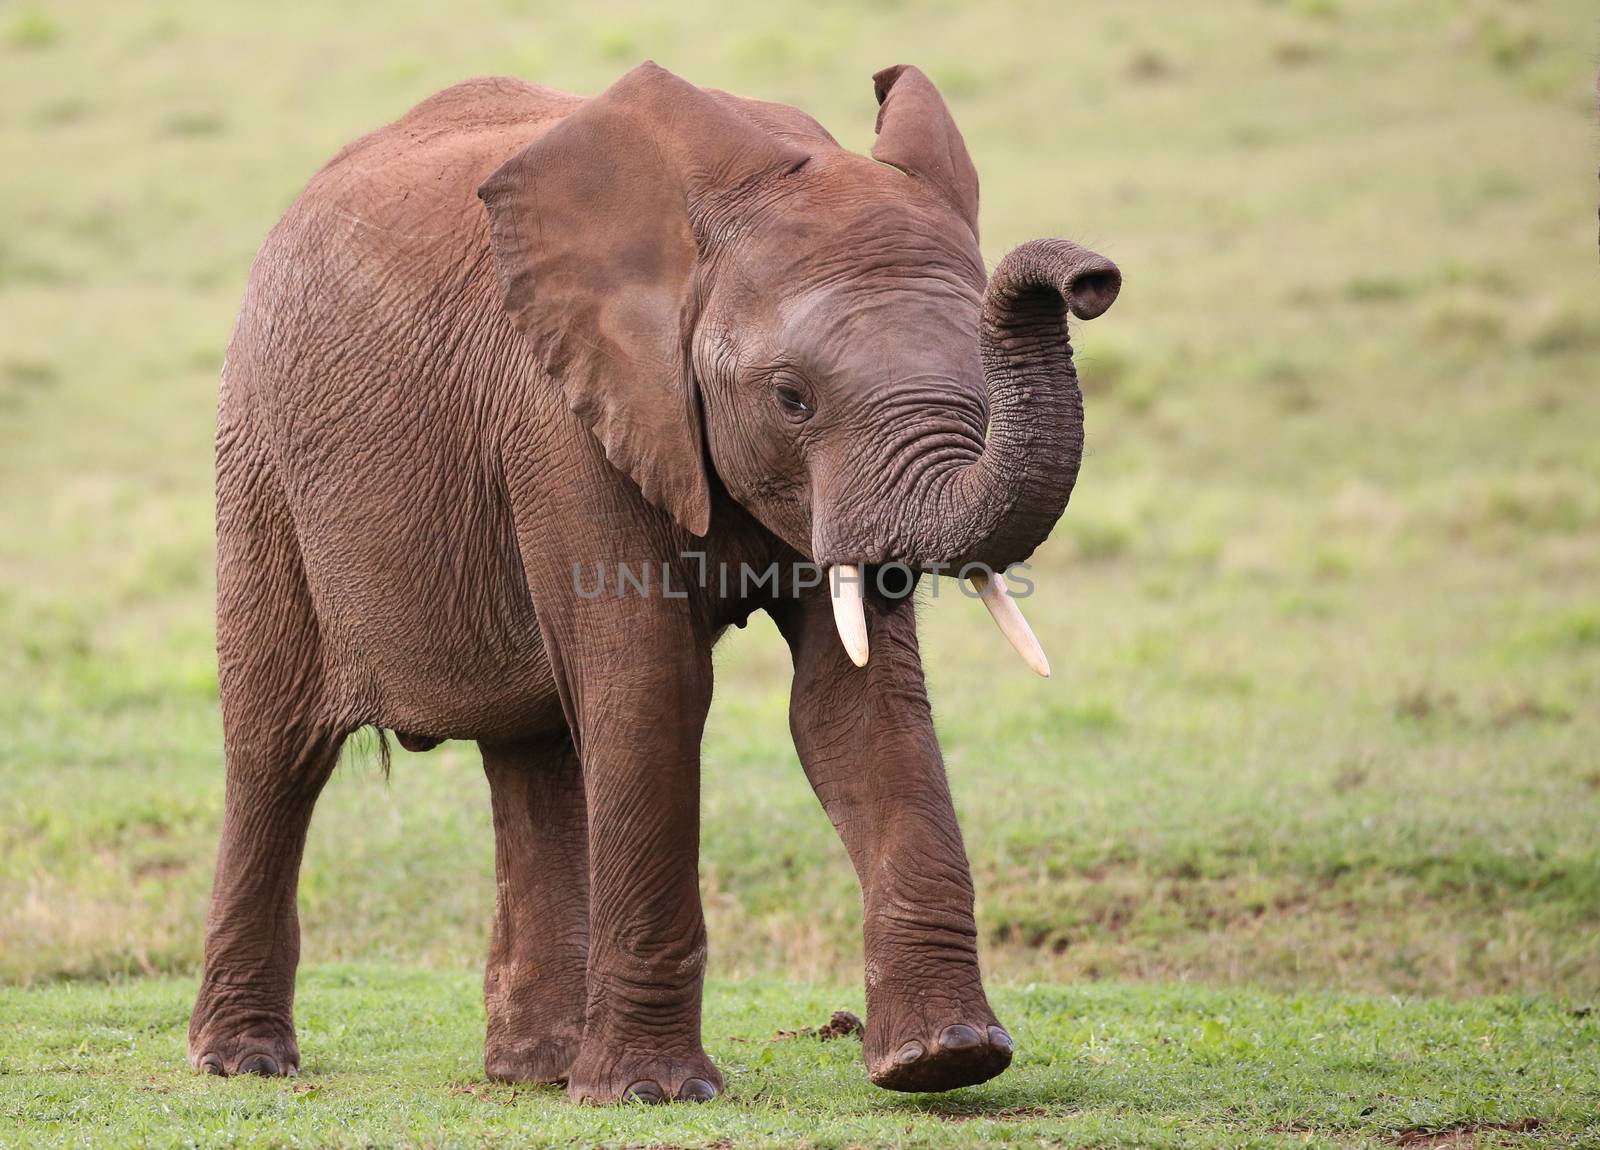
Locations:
(519, 337)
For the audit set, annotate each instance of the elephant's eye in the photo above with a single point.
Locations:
(793, 400)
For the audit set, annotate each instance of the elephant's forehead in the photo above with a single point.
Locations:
(858, 267)
(903, 308)
(848, 217)
(909, 327)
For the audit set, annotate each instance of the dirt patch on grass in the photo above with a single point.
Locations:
(483, 1092)
(1003, 1114)
(158, 869)
(1462, 1137)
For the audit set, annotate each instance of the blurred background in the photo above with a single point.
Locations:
(1322, 613)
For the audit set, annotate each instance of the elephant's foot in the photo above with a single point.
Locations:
(922, 1042)
(241, 1029)
(253, 1047)
(534, 1005)
(599, 1076)
(544, 1060)
(957, 1055)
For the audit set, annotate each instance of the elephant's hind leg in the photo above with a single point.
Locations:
(534, 985)
(281, 746)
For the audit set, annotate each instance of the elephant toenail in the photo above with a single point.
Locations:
(960, 1037)
(1000, 1040)
(211, 1064)
(696, 1090)
(644, 1091)
(262, 1064)
(909, 1053)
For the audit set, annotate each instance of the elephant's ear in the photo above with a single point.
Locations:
(593, 238)
(917, 134)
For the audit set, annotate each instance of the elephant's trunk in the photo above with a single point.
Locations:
(998, 508)
(994, 510)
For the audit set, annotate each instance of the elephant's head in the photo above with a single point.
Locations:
(716, 283)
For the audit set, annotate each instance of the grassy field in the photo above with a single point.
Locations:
(1099, 1066)
(1323, 733)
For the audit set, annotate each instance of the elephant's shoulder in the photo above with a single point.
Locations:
(488, 102)
(413, 183)
(468, 115)
(483, 116)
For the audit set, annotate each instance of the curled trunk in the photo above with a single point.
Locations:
(998, 508)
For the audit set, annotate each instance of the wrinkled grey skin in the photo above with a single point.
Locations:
(519, 331)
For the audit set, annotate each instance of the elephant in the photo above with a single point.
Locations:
(518, 337)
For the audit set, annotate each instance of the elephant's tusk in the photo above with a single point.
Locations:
(849, 611)
(1008, 617)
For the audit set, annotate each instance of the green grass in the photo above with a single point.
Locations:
(1322, 614)
(394, 1056)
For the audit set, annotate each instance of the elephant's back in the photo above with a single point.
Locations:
(438, 152)
(373, 367)
(396, 212)
(380, 274)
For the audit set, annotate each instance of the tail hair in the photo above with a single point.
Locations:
(361, 746)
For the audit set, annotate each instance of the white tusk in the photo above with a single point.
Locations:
(849, 612)
(1008, 617)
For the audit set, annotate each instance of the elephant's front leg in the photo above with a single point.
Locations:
(866, 739)
(640, 705)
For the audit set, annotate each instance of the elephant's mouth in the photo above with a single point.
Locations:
(847, 583)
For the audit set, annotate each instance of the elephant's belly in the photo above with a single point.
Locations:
(428, 621)
(410, 672)
(473, 698)
(437, 667)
